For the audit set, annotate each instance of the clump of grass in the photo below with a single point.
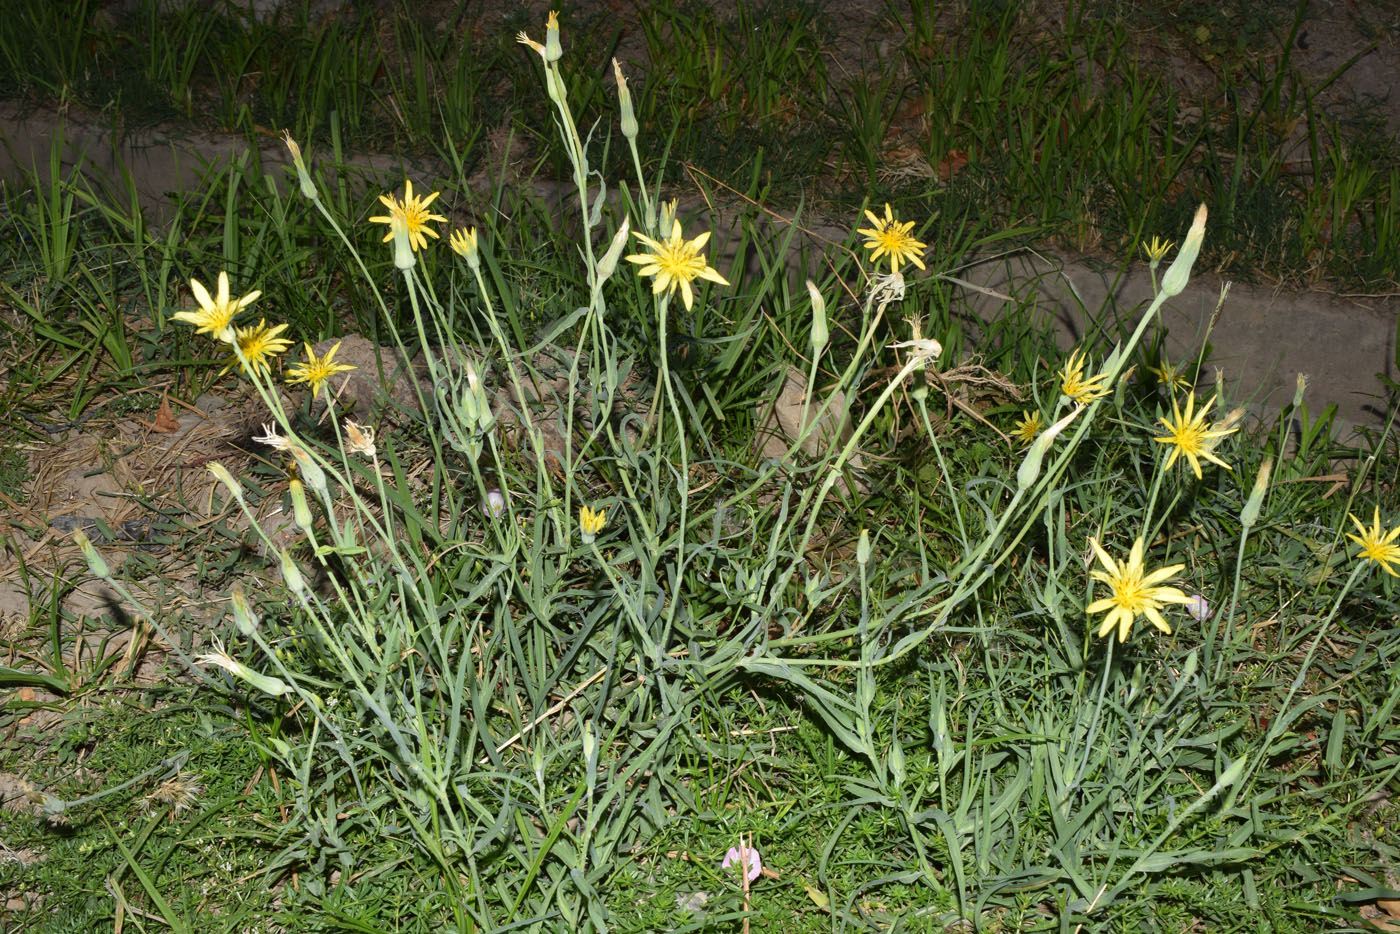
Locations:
(557, 639)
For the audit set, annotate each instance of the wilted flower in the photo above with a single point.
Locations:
(675, 262)
(275, 687)
(359, 439)
(215, 315)
(889, 237)
(1134, 592)
(179, 793)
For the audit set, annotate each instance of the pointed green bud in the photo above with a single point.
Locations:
(1179, 272)
(243, 616)
(820, 334)
(624, 100)
(95, 562)
(1250, 514)
(1029, 470)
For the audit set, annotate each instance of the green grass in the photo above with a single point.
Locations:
(1075, 131)
(892, 688)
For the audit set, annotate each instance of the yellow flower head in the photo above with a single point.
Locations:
(1074, 385)
(675, 262)
(590, 523)
(463, 243)
(1377, 545)
(1028, 427)
(1156, 250)
(259, 345)
(1134, 592)
(891, 238)
(412, 212)
(1171, 375)
(316, 372)
(215, 315)
(1191, 437)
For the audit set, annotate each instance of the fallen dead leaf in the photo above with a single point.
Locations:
(166, 423)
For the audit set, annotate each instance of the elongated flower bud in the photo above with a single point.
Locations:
(553, 51)
(95, 562)
(820, 334)
(624, 101)
(608, 263)
(308, 187)
(243, 615)
(863, 548)
(221, 474)
(1179, 272)
(1029, 470)
(403, 246)
(1250, 514)
(301, 510)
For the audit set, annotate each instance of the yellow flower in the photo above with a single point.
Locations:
(1134, 592)
(674, 262)
(890, 238)
(463, 243)
(1171, 375)
(259, 345)
(412, 212)
(1191, 437)
(590, 523)
(1377, 544)
(1074, 385)
(1156, 250)
(316, 372)
(1028, 427)
(215, 315)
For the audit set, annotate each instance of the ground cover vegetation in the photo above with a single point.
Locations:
(1019, 641)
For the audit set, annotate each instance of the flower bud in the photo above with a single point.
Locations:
(311, 473)
(221, 474)
(243, 615)
(553, 51)
(624, 100)
(95, 562)
(1250, 514)
(308, 187)
(820, 335)
(301, 511)
(1179, 272)
(608, 263)
(896, 761)
(291, 575)
(1029, 470)
(403, 247)
(863, 548)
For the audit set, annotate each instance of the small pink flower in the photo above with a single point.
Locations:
(754, 861)
(494, 504)
(1198, 608)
